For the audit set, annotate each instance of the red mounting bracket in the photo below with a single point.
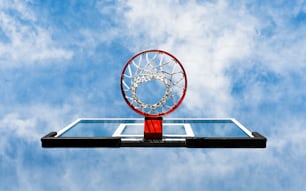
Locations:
(153, 128)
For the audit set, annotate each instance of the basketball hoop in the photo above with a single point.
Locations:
(153, 83)
(164, 83)
(149, 66)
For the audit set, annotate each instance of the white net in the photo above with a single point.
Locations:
(153, 83)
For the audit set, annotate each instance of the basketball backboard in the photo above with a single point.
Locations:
(125, 132)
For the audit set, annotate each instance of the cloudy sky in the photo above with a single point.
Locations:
(60, 60)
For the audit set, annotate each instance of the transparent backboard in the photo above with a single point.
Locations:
(119, 132)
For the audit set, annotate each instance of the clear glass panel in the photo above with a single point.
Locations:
(174, 129)
(222, 128)
(200, 128)
(132, 130)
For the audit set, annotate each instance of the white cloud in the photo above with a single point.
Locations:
(206, 37)
(284, 51)
(30, 122)
(26, 41)
(104, 168)
(209, 38)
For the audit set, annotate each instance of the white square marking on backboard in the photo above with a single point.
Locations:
(187, 128)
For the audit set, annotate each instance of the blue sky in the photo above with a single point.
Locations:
(60, 60)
